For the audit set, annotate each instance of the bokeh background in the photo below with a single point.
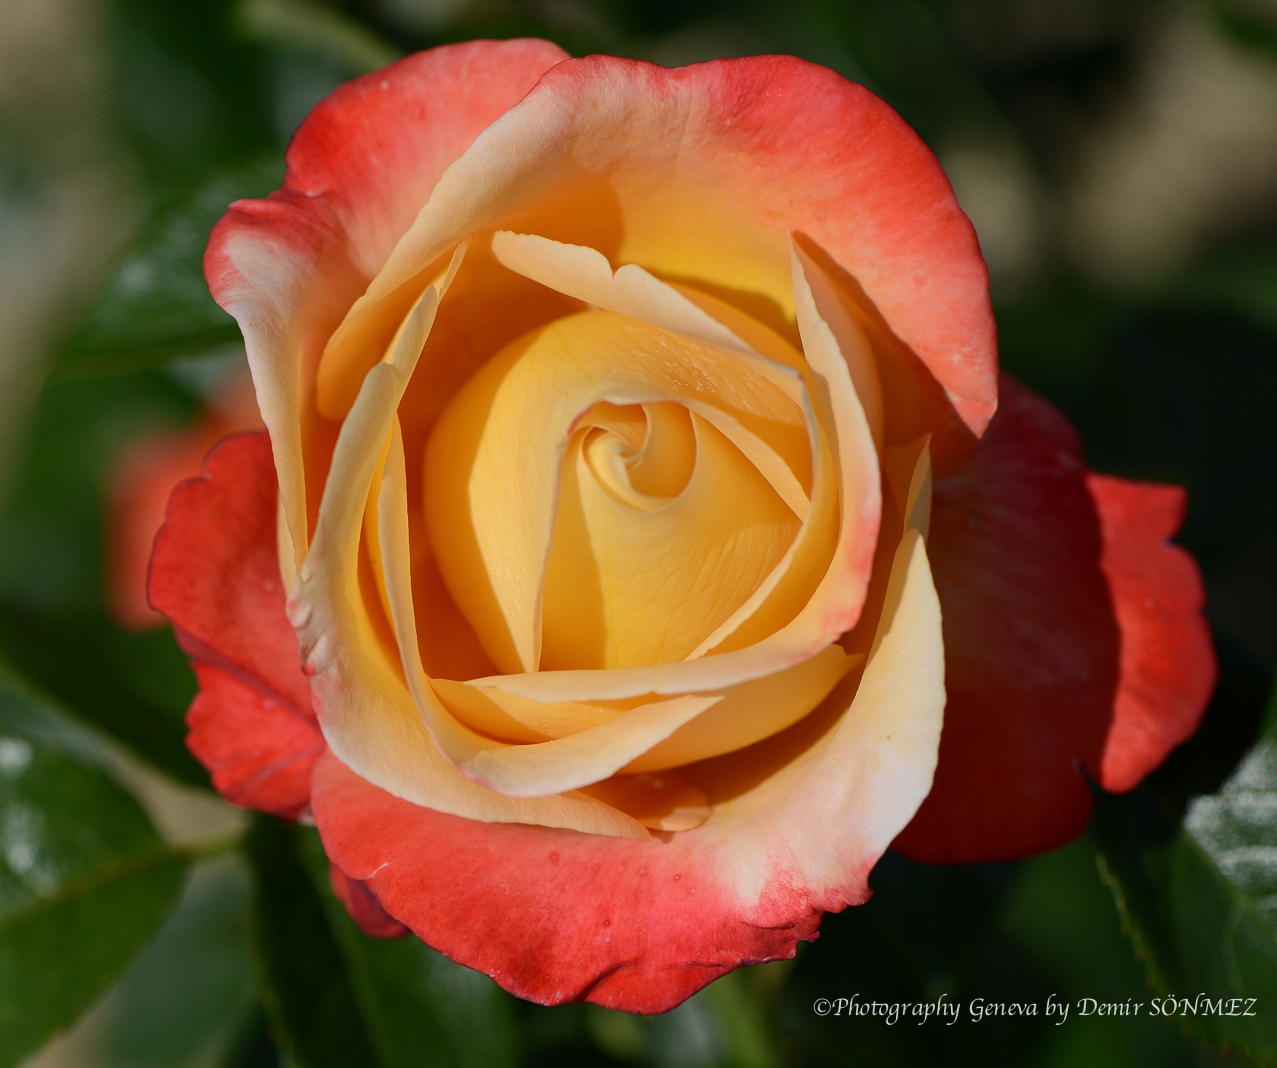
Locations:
(1119, 161)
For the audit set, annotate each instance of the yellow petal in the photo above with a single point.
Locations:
(752, 711)
(342, 368)
(664, 802)
(494, 459)
(626, 586)
(534, 770)
(584, 273)
(828, 612)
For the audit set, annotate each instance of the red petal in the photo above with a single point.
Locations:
(366, 158)
(1073, 640)
(363, 906)
(215, 574)
(553, 915)
(258, 749)
(1167, 662)
(793, 148)
(139, 493)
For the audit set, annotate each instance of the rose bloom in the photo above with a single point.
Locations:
(634, 498)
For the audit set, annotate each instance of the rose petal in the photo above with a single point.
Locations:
(215, 574)
(1167, 666)
(215, 571)
(258, 749)
(586, 275)
(535, 770)
(709, 169)
(1073, 639)
(360, 166)
(555, 916)
(801, 622)
(495, 458)
(363, 906)
(626, 587)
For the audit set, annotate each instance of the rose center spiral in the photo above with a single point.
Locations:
(594, 495)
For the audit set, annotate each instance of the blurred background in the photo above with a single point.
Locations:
(1119, 161)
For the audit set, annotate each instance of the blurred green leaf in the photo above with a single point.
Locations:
(339, 997)
(421, 1009)
(315, 29)
(133, 686)
(53, 540)
(1199, 899)
(1240, 279)
(1247, 26)
(308, 988)
(85, 880)
(190, 993)
(157, 305)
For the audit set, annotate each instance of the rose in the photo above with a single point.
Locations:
(525, 329)
(138, 491)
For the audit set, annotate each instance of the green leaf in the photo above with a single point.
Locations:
(1246, 27)
(85, 881)
(308, 991)
(421, 1008)
(190, 993)
(299, 26)
(1241, 279)
(1199, 897)
(339, 997)
(136, 687)
(157, 305)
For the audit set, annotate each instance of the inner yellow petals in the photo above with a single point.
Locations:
(627, 586)
(644, 472)
(563, 404)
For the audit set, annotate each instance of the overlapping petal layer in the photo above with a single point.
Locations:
(1074, 640)
(215, 574)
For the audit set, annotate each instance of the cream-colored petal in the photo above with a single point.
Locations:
(627, 586)
(585, 274)
(511, 718)
(831, 307)
(752, 711)
(583, 759)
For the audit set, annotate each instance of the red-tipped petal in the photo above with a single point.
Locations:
(258, 749)
(554, 915)
(215, 574)
(1167, 663)
(215, 571)
(363, 906)
(1073, 640)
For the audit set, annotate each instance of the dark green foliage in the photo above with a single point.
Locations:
(85, 880)
(308, 991)
(1199, 898)
(156, 305)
